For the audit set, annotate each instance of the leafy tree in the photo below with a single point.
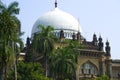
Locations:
(28, 71)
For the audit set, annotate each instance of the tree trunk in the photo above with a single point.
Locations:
(15, 69)
(2, 74)
(46, 70)
(5, 74)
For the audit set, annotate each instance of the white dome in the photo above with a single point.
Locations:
(59, 20)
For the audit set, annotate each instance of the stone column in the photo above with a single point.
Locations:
(109, 68)
(102, 65)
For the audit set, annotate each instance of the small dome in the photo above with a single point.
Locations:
(59, 20)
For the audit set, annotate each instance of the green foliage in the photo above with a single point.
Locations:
(28, 71)
(28, 56)
(103, 78)
(43, 42)
(63, 64)
(9, 39)
(75, 45)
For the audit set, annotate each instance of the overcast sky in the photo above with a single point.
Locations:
(95, 16)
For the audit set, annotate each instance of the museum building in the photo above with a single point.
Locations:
(93, 60)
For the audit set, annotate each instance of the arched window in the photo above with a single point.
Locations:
(88, 68)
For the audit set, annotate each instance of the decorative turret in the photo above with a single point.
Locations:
(78, 36)
(84, 41)
(55, 3)
(100, 44)
(62, 36)
(108, 60)
(74, 37)
(95, 40)
(28, 42)
(107, 48)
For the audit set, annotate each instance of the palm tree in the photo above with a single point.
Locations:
(9, 29)
(63, 64)
(43, 42)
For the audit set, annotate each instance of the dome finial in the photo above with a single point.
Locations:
(55, 3)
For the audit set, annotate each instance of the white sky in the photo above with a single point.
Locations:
(95, 16)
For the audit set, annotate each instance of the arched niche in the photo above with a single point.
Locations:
(88, 68)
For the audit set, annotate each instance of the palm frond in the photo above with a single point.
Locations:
(13, 8)
(2, 6)
(21, 33)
